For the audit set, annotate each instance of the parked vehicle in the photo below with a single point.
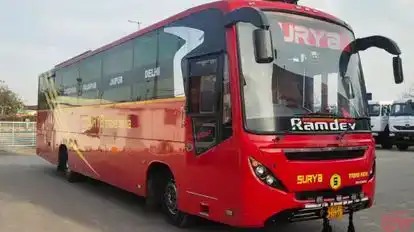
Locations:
(379, 112)
(401, 123)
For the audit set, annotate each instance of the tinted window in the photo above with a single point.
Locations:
(203, 94)
(139, 91)
(145, 50)
(90, 69)
(169, 44)
(118, 60)
(90, 72)
(117, 94)
(227, 123)
(41, 97)
(69, 75)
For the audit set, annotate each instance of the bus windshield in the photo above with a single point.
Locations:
(304, 78)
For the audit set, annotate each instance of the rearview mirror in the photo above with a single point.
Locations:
(398, 70)
(263, 47)
(369, 96)
(381, 42)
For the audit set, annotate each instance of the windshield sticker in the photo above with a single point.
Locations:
(299, 124)
(299, 34)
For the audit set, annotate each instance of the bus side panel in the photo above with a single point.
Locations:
(44, 136)
(156, 136)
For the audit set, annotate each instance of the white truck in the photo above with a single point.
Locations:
(379, 112)
(402, 123)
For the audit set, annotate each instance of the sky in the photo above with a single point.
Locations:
(36, 35)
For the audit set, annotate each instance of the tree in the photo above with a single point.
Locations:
(409, 93)
(10, 102)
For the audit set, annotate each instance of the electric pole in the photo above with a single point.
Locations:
(137, 22)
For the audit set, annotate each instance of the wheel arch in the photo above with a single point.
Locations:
(155, 177)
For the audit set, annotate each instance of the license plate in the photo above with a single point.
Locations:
(336, 212)
(406, 138)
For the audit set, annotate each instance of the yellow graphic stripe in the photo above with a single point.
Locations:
(51, 96)
(152, 101)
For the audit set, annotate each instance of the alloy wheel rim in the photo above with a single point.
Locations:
(170, 198)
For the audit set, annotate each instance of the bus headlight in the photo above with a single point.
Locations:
(265, 175)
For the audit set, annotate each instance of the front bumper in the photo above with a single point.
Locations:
(402, 137)
(287, 207)
(314, 211)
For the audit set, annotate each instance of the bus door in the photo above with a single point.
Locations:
(210, 151)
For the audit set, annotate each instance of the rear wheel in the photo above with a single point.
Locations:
(170, 206)
(63, 166)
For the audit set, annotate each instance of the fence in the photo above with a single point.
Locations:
(17, 135)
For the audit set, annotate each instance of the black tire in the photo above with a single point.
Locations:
(387, 144)
(402, 147)
(63, 166)
(62, 160)
(170, 207)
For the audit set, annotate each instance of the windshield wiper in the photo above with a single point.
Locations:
(342, 134)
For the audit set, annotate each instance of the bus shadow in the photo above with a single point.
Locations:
(98, 205)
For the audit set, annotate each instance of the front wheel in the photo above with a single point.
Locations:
(386, 144)
(170, 207)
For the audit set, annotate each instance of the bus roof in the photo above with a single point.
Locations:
(217, 4)
(225, 5)
(403, 100)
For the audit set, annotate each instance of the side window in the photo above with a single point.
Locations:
(117, 74)
(117, 94)
(168, 45)
(118, 60)
(227, 122)
(90, 72)
(203, 94)
(42, 97)
(145, 66)
(145, 51)
(70, 75)
(201, 102)
(90, 69)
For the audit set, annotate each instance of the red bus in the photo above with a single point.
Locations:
(247, 113)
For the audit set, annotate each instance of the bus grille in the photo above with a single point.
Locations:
(324, 154)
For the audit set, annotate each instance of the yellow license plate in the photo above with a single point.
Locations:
(336, 212)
